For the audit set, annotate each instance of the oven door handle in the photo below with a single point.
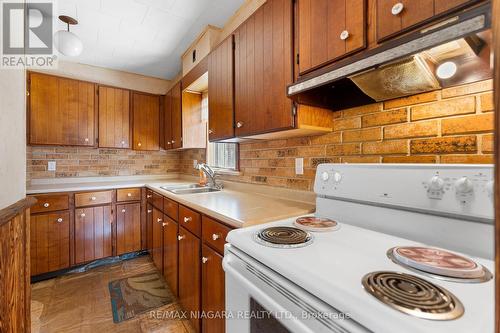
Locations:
(291, 323)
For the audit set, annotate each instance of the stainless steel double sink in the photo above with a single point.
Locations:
(189, 189)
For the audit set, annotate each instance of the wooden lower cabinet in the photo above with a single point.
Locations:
(149, 228)
(189, 274)
(157, 243)
(170, 253)
(128, 228)
(212, 290)
(49, 243)
(93, 233)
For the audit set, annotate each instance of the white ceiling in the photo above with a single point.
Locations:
(145, 37)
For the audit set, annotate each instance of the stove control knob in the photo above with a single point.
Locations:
(337, 177)
(490, 188)
(325, 176)
(436, 184)
(464, 186)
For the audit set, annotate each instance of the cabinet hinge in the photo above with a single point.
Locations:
(297, 58)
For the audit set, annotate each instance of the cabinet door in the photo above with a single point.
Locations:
(176, 116)
(221, 91)
(189, 274)
(170, 252)
(391, 19)
(114, 118)
(441, 6)
(328, 30)
(49, 242)
(92, 233)
(128, 228)
(146, 121)
(149, 228)
(62, 111)
(213, 290)
(263, 69)
(194, 126)
(157, 252)
(168, 120)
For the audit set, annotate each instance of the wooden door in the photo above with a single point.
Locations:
(49, 242)
(146, 121)
(92, 233)
(157, 229)
(328, 30)
(170, 252)
(114, 118)
(221, 91)
(189, 274)
(61, 111)
(149, 228)
(167, 125)
(128, 228)
(176, 116)
(263, 69)
(213, 290)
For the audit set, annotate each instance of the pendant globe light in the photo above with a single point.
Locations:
(67, 42)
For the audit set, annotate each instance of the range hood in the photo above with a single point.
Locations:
(452, 52)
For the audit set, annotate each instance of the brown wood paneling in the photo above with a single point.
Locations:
(214, 233)
(170, 253)
(128, 194)
(62, 111)
(263, 69)
(146, 121)
(189, 274)
(190, 220)
(50, 242)
(50, 203)
(171, 208)
(221, 91)
(128, 228)
(213, 290)
(114, 117)
(176, 116)
(15, 209)
(92, 233)
(93, 198)
(157, 244)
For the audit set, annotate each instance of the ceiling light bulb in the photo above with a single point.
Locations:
(68, 43)
(446, 70)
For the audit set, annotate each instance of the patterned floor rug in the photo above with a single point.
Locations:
(138, 294)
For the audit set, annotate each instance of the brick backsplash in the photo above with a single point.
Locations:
(93, 162)
(453, 125)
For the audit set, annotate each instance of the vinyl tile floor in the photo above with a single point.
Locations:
(80, 303)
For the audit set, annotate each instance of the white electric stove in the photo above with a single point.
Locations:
(284, 278)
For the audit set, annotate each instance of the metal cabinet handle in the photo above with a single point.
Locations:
(123, 210)
(139, 144)
(210, 131)
(93, 198)
(129, 194)
(82, 215)
(173, 141)
(215, 237)
(397, 9)
(59, 220)
(123, 142)
(149, 196)
(164, 224)
(344, 35)
(204, 259)
(158, 220)
(180, 237)
(239, 124)
(149, 211)
(187, 219)
(46, 205)
(86, 139)
(169, 143)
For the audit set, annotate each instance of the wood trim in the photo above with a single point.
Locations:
(195, 73)
(496, 82)
(15, 209)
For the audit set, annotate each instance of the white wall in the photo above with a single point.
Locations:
(12, 136)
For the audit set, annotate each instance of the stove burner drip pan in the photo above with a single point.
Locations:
(283, 237)
(413, 295)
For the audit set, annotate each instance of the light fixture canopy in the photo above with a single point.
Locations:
(67, 42)
(446, 70)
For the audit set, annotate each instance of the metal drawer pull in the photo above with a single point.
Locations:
(397, 9)
(204, 260)
(159, 220)
(82, 215)
(86, 139)
(173, 141)
(139, 144)
(239, 124)
(93, 198)
(149, 211)
(215, 237)
(180, 237)
(123, 142)
(210, 131)
(344, 35)
(164, 224)
(187, 219)
(46, 205)
(123, 210)
(59, 220)
(129, 194)
(149, 196)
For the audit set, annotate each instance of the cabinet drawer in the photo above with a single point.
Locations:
(50, 203)
(171, 208)
(93, 198)
(214, 233)
(128, 194)
(157, 201)
(190, 220)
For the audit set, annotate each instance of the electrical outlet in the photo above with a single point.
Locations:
(51, 166)
(299, 166)
(195, 163)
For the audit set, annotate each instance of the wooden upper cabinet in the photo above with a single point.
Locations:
(328, 30)
(167, 120)
(61, 111)
(441, 6)
(221, 91)
(176, 116)
(114, 118)
(263, 69)
(146, 121)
